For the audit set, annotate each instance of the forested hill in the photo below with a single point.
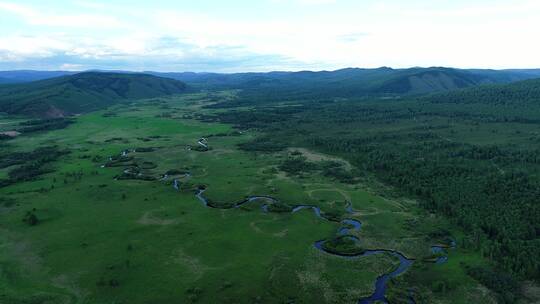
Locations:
(348, 82)
(421, 81)
(351, 83)
(80, 93)
(20, 76)
(4, 80)
(384, 79)
(519, 93)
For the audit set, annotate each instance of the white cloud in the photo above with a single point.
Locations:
(91, 5)
(315, 2)
(308, 40)
(35, 46)
(71, 67)
(392, 34)
(38, 17)
(304, 2)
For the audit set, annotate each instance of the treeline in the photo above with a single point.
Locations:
(263, 144)
(39, 125)
(28, 165)
(490, 190)
(500, 209)
(515, 94)
(507, 287)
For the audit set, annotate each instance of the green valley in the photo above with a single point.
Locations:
(269, 152)
(192, 197)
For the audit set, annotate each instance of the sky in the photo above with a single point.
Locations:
(267, 35)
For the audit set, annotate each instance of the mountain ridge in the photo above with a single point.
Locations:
(355, 81)
(82, 92)
(73, 95)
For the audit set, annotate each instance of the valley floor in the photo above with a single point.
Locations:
(104, 235)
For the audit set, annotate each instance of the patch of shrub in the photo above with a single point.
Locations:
(145, 149)
(5, 137)
(148, 165)
(334, 215)
(44, 125)
(42, 154)
(262, 144)
(339, 174)
(119, 161)
(343, 245)
(7, 202)
(296, 165)
(114, 139)
(506, 287)
(31, 164)
(176, 172)
(30, 218)
(279, 207)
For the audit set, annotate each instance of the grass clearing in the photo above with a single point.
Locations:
(104, 240)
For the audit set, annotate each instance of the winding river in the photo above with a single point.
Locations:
(347, 226)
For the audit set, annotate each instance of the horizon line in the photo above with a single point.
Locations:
(263, 72)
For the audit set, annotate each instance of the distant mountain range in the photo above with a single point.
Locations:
(354, 81)
(59, 93)
(349, 83)
(82, 92)
(29, 75)
(381, 80)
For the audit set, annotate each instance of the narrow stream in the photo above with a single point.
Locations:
(348, 225)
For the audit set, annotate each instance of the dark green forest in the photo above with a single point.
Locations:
(471, 155)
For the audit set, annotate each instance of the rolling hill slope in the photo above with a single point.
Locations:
(356, 81)
(348, 83)
(80, 93)
(20, 76)
(255, 87)
(421, 81)
(4, 80)
(342, 83)
(522, 93)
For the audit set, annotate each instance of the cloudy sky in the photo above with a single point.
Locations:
(264, 35)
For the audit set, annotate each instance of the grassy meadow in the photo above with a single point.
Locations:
(99, 239)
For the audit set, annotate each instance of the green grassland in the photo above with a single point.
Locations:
(104, 240)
